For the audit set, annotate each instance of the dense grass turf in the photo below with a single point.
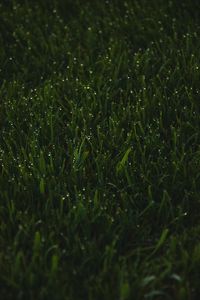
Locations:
(99, 149)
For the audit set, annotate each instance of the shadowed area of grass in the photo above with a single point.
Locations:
(99, 149)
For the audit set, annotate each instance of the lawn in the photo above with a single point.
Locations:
(99, 150)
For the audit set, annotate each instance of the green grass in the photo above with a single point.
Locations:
(99, 150)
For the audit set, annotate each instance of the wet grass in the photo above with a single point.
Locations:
(99, 150)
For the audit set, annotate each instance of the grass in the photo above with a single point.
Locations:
(99, 149)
